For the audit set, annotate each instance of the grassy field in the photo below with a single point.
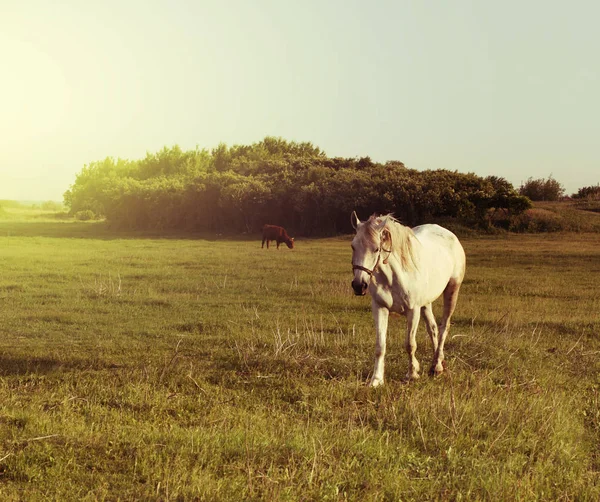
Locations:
(141, 368)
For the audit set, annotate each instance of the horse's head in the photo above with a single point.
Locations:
(290, 243)
(371, 236)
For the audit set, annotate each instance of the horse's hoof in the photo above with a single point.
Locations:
(437, 370)
(375, 382)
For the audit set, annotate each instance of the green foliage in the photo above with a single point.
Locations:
(542, 189)
(239, 188)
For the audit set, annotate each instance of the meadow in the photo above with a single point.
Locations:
(140, 367)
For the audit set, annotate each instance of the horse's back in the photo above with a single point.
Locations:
(439, 242)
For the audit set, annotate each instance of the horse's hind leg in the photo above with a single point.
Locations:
(431, 326)
(450, 299)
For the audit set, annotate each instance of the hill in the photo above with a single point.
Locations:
(563, 216)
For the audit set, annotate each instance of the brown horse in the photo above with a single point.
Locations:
(275, 233)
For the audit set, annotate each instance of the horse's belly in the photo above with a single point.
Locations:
(403, 300)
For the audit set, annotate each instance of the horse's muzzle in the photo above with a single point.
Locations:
(360, 288)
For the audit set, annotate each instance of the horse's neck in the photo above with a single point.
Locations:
(407, 249)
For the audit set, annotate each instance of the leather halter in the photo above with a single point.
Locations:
(364, 269)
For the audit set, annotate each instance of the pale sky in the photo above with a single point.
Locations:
(507, 88)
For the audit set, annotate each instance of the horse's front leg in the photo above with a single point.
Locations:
(412, 324)
(380, 316)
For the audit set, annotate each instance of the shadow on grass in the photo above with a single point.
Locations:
(24, 365)
(504, 323)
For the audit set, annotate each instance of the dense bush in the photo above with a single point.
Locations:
(85, 215)
(591, 193)
(542, 189)
(239, 188)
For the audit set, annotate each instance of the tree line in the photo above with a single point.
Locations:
(295, 185)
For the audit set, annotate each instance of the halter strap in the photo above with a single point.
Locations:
(389, 252)
(364, 269)
(370, 271)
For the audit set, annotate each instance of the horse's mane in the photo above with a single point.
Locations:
(401, 237)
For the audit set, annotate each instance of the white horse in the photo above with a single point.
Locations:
(405, 270)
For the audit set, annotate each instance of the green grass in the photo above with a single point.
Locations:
(140, 368)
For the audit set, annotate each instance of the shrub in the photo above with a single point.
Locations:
(537, 220)
(85, 215)
(590, 193)
(542, 189)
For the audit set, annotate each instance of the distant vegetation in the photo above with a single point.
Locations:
(238, 189)
(542, 189)
(591, 192)
(48, 205)
(42, 210)
(9, 203)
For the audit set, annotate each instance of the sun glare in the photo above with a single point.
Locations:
(33, 92)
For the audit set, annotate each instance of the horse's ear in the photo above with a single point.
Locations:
(354, 220)
(386, 236)
(386, 239)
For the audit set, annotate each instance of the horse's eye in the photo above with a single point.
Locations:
(377, 250)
